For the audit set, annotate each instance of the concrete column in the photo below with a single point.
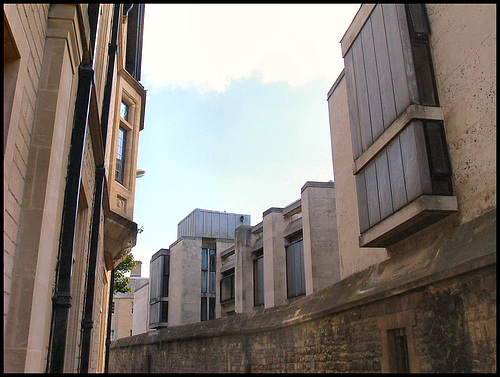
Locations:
(274, 258)
(319, 226)
(243, 269)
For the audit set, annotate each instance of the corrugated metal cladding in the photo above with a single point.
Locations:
(211, 224)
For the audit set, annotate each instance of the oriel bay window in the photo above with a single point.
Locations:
(295, 272)
(401, 164)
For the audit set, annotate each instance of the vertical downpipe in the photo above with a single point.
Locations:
(61, 301)
(108, 329)
(87, 322)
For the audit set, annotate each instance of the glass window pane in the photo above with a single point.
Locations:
(120, 155)
(204, 259)
(211, 287)
(124, 110)
(212, 260)
(204, 276)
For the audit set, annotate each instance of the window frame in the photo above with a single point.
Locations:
(387, 324)
(121, 154)
(208, 282)
(258, 279)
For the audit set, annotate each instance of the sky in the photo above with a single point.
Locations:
(236, 111)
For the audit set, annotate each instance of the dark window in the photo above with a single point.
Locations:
(120, 155)
(295, 267)
(93, 13)
(437, 153)
(204, 270)
(203, 309)
(211, 308)
(258, 280)
(134, 40)
(227, 286)
(208, 278)
(166, 275)
(211, 285)
(399, 361)
(164, 311)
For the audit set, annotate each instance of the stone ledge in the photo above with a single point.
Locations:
(422, 212)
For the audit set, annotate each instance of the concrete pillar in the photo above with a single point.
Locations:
(274, 258)
(243, 269)
(319, 226)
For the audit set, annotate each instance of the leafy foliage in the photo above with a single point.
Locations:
(121, 281)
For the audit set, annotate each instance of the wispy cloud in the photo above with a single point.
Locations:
(209, 45)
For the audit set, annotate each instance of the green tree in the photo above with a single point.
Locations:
(120, 283)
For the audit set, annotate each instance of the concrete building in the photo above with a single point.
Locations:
(416, 230)
(291, 253)
(140, 320)
(184, 279)
(73, 109)
(220, 265)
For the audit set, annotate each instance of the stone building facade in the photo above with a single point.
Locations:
(68, 220)
(413, 126)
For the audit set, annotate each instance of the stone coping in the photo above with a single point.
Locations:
(468, 247)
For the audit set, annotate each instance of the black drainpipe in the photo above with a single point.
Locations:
(61, 301)
(108, 329)
(87, 322)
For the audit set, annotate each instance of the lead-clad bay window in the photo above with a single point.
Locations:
(295, 272)
(227, 286)
(397, 130)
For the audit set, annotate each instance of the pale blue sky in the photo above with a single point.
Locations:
(236, 112)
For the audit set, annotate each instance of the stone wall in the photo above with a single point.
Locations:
(446, 298)
(452, 334)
